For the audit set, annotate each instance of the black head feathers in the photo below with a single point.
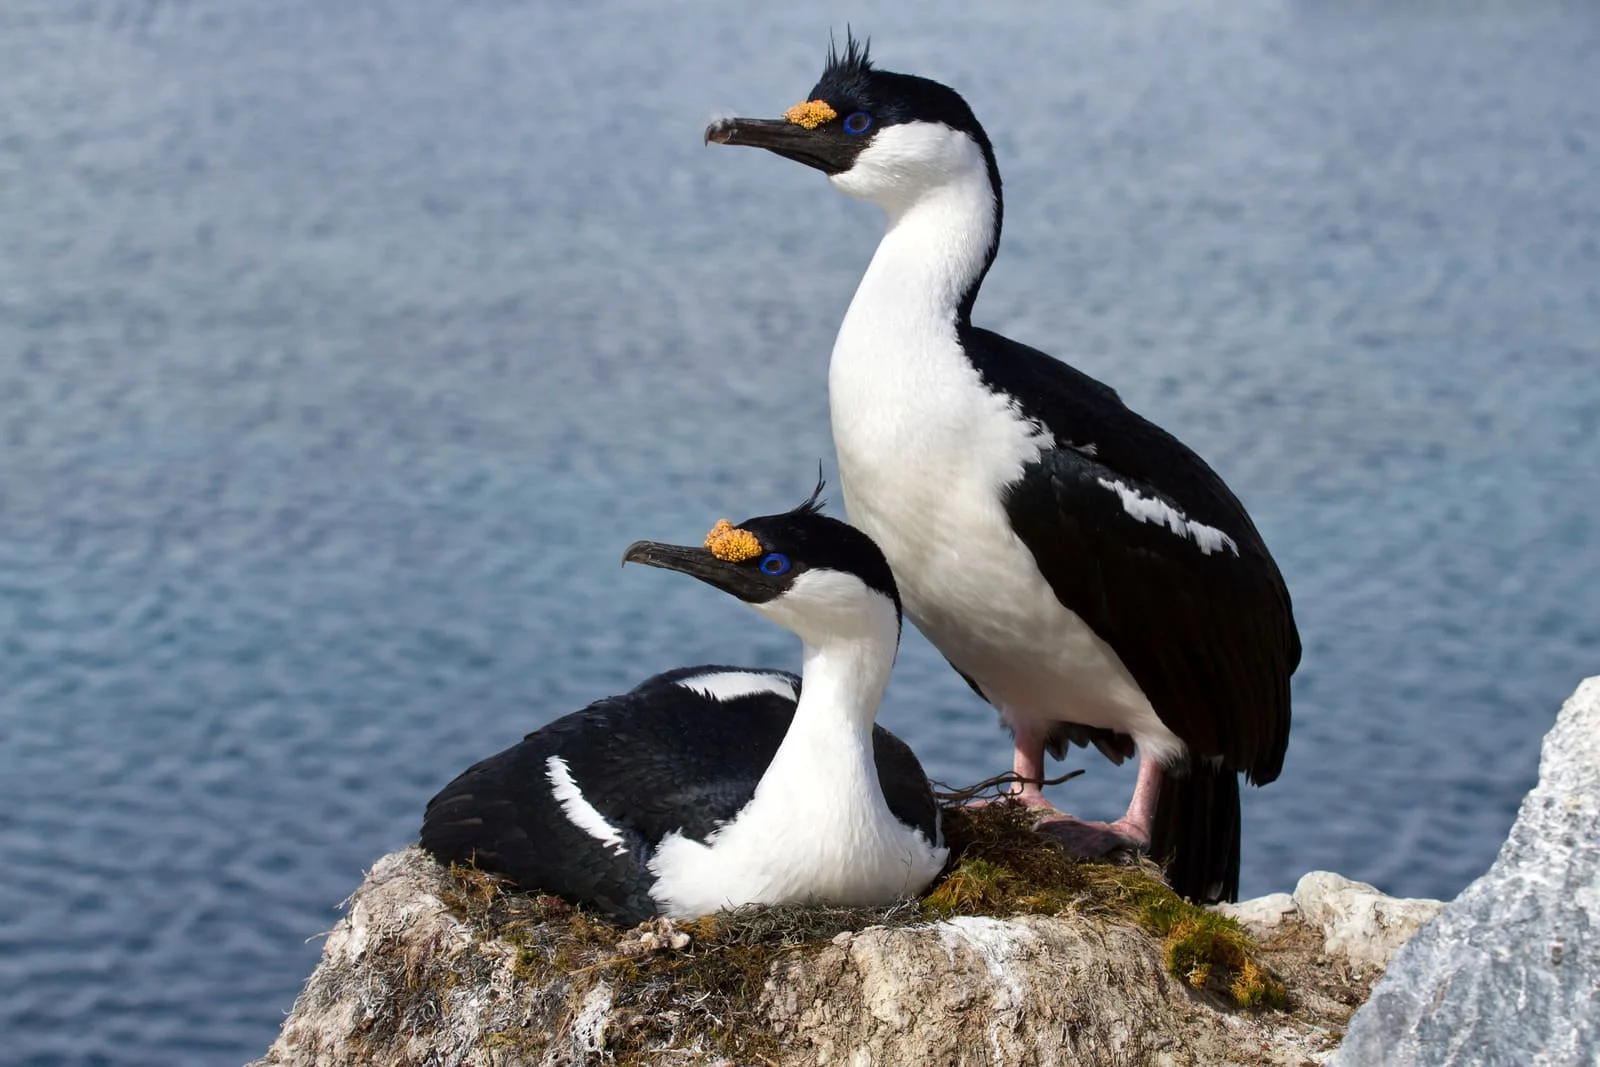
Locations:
(814, 541)
(850, 83)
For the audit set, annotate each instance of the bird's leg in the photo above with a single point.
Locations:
(1027, 767)
(1027, 763)
(1084, 838)
(1141, 814)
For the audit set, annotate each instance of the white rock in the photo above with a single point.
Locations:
(1359, 922)
(1262, 916)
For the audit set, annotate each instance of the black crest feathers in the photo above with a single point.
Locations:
(814, 503)
(856, 60)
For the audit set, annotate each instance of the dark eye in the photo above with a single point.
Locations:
(774, 563)
(857, 122)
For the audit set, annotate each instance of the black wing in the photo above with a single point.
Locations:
(1206, 630)
(500, 815)
(658, 759)
(905, 785)
(674, 759)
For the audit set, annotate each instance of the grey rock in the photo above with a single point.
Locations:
(1509, 973)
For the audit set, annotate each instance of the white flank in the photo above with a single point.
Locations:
(731, 685)
(578, 810)
(926, 450)
(1150, 509)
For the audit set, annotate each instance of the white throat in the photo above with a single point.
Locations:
(824, 771)
(933, 183)
(849, 653)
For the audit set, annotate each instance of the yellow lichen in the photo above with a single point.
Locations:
(810, 114)
(1253, 987)
(728, 542)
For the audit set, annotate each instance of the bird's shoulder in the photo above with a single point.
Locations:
(682, 751)
(1099, 435)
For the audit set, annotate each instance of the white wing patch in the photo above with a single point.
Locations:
(1152, 509)
(578, 809)
(731, 685)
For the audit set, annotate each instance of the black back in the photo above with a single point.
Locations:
(1208, 635)
(659, 759)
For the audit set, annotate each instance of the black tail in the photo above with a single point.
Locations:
(1195, 833)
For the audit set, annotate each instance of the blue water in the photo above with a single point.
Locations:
(343, 346)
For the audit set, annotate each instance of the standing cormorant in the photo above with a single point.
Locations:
(1086, 572)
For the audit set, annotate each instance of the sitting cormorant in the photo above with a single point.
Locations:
(711, 787)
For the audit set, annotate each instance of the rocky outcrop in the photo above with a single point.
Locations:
(1357, 922)
(1509, 973)
(424, 968)
(441, 967)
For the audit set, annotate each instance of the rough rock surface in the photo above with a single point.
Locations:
(404, 979)
(1510, 971)
(1358, 922)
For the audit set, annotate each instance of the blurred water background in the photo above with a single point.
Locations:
(343, 346)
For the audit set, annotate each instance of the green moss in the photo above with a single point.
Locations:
(975, 886)
(1005, 868)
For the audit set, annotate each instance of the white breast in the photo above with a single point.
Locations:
(925, 451)
(760, 860)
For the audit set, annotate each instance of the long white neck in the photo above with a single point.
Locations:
(932, 254)
(826, 758)
(818, 826)
(898, 338)
(842, 684)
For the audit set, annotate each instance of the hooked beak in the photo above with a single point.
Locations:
(742, 582)
(823, 148)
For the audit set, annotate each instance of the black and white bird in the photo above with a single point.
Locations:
(1088, 574)
(710, 787)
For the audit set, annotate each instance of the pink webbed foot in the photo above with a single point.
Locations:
(1131, 832)
(1081, 837)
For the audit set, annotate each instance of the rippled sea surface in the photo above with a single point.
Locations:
(343, 346)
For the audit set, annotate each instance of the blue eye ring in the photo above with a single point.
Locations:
(857, 123)
(774, 564)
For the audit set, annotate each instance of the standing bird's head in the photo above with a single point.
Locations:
(889, 138)
(818, 577)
